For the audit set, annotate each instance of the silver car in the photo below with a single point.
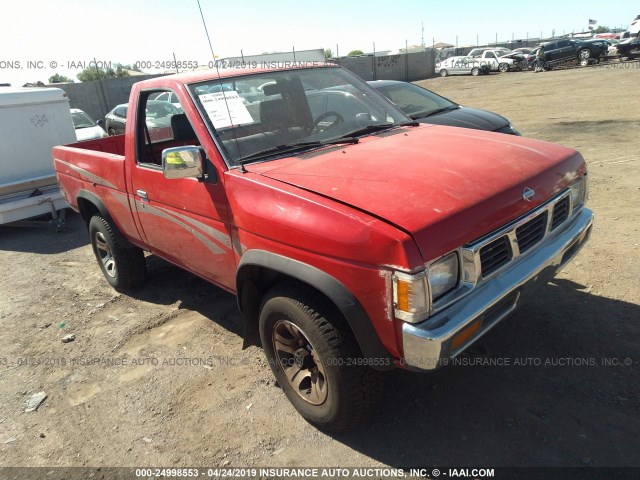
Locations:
(462, 66)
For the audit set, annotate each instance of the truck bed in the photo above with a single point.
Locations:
(91, 163)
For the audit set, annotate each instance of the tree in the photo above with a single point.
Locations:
(328, 53)
(354, 53)
(90, 74)
(602, 29)
(128, 66)
(57, 78)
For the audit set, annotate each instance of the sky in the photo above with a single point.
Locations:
(67, 33)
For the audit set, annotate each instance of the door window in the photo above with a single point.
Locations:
(161, 124)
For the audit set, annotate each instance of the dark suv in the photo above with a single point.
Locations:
(562, 51)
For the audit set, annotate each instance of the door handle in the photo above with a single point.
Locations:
(142, 194)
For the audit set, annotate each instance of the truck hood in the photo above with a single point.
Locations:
(444, 186)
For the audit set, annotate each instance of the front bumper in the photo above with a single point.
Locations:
(428, 345)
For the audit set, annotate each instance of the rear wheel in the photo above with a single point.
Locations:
(316, 360)
(124, 268)
(443, 72)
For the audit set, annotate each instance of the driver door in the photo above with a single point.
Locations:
(184, 220)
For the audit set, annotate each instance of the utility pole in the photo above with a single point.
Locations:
(422, 44)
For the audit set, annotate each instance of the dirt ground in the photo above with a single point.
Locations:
(189, 396)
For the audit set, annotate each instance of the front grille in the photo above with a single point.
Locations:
(494, 255)
(494, 251)
(531, 232)
(560, 212)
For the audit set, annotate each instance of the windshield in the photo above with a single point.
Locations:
(259, 115)
(82, 120)
(415, 101)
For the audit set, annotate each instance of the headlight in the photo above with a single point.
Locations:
(578, 193)
(444, 275)
(410, 296)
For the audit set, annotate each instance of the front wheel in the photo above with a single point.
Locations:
(316, 360)
(584, 55)
(475, 71)
(443, 72)
(503, 67)
(124, 268)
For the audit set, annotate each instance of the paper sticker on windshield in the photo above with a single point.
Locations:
(225, 109)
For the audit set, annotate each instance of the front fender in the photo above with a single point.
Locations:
(331, 287)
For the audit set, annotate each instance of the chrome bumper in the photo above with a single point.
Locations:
(427, 345)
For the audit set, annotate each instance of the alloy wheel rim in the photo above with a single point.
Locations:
(300, 362)
(104, 252)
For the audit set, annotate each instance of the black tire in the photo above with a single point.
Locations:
(111, 132)
(475, 71)
(503, 67)
(443, 72)
(314, 342)
(124, 268)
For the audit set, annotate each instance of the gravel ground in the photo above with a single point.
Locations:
(189, 396)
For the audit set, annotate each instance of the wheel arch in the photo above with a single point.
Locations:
(259, 270)
(89, 204)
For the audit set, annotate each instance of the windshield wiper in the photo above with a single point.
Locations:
(292, 147)
(376, 127)
(415, 116)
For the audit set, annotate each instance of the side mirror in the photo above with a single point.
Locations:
(182, 162)
(100, 123)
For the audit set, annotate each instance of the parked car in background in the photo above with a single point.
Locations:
(496, 60)
(476, 52)
(519, 60)
(461, 66)
(629, 49)
(116, 120)
(159, 114)
(86, 127)
(612, 50)
(634, 29)
(607, 36)
(427, 107)
(564, 51)
(170, 97)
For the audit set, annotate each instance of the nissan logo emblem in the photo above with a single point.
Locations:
(528, 194)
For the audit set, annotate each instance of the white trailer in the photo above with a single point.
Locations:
(32, 121)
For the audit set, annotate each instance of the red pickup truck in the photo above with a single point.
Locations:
(355, 240)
